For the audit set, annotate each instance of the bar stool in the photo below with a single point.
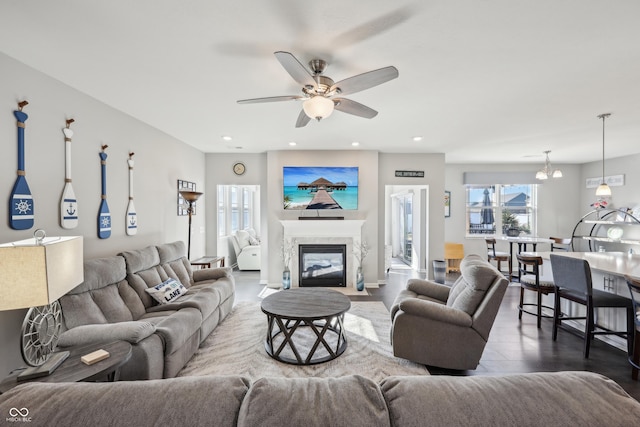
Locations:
(573, 282)
(497, 256)
(560, 244)
(634, 359)
(530, 279)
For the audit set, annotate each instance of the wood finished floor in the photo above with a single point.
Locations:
(514, 346)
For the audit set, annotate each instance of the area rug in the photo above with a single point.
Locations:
(236, 347)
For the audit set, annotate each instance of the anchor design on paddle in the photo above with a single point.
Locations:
(68, 203)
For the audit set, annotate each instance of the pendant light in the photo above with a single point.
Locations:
(603, 189)
(547, 171)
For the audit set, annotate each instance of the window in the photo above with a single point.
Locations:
(501, 209)
(246, 211)
(222, 220)
(235, 214)
(236, 208)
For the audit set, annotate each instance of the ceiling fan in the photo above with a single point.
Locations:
(319, 92)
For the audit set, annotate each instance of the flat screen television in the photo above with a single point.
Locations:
(322, 187)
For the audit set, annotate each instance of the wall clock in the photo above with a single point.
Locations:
(239, 168)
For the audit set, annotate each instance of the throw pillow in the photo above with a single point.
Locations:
(253, 241)
(167, 291)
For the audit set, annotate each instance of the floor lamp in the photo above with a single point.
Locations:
(34, 275)
(190, 197)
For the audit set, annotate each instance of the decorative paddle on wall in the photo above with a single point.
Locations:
(104, 216)
(21, 207)
(132, 216)
(68, 203)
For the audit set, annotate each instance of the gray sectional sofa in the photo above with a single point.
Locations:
(540, 399)
(112, 304)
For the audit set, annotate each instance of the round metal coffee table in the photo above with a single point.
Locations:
(305, 325)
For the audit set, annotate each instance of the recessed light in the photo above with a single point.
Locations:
(417, 138)
(292, 143)
(355, 143)
(226, 137)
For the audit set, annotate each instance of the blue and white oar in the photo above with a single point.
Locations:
(21, 202)
(132, 216)
(104, 216)
(68, 203)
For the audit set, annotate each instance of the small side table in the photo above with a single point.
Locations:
(73, 370)
(207, 261)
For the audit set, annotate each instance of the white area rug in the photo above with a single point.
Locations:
(236, 347)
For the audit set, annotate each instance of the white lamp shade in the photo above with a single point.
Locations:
(603, 190)
(318, 107)
(541, 175)
(33, 275)
(557, 173)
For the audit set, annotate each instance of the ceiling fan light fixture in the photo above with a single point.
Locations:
(318, 107)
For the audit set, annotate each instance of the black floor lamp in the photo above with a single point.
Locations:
(190, 197)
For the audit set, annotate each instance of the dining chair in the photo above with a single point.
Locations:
(529, 278)
(634, 358)
(560, 244)
(572, 277)
(498, 257)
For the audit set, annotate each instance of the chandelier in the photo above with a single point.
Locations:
(547, 171)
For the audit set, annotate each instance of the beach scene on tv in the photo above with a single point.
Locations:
(320, 187)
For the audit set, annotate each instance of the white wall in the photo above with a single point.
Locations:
(558, 203)
(160, 161)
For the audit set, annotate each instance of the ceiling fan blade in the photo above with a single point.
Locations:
(352, 107)
(303, 119)
(298, 71)
(269, 99)
(365, 80)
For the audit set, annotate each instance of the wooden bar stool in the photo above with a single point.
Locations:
(529, 278)
(634, 358)
(498, 257)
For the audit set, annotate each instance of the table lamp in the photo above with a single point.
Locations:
(190, 197)
(34, 274)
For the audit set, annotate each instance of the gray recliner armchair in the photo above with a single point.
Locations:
(444, 326)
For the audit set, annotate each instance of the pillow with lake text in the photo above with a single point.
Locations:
(167, 291)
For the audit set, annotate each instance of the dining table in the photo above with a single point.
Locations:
(523, 242)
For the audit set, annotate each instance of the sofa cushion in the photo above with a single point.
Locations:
(141, 259)
(550, 398)
(314, 402)
(167, 291)
(103, 297)
(477, 275)
(186, 401)
(132, 332)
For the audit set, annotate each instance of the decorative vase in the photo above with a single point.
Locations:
(286, 279)
(359, 279)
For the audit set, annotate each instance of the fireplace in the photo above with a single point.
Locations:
(319, 232)
(322, 265)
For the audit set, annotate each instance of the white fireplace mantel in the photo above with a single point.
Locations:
(323, 228)
(348, 232)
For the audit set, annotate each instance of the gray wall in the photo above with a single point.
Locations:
(627, 195)
(160, 161)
